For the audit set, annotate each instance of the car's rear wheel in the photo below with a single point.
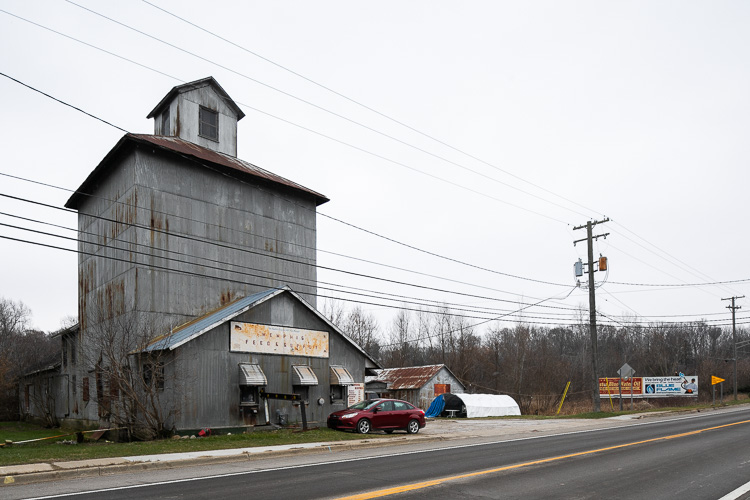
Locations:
(364, 426)
(388, 431)
(413, 427)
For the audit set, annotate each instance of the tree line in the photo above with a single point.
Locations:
(529, 362)
(533, 363)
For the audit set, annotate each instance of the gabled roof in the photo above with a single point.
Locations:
(192, 329)
(199, 155)
(187, 87)
(197, 327)
(410, 377)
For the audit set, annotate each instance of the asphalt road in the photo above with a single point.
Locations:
(702, 456)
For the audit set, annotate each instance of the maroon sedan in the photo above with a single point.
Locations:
(382, 414)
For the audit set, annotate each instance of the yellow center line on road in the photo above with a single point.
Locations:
(435, 482)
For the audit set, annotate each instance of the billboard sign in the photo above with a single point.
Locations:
(670, 386)
(269, 339)
(650, 387)
(610, 386)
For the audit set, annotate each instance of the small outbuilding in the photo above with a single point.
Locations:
(416, 384)
(473, 405)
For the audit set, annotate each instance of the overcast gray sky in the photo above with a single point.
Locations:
(569, 111)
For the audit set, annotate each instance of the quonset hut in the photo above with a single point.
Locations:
(183, 249)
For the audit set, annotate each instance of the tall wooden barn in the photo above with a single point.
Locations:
(197, 274)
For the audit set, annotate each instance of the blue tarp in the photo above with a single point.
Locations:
(436, 407)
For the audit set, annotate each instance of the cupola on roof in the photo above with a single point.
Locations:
(200, 112)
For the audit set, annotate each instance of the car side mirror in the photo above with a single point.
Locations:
(375, 410)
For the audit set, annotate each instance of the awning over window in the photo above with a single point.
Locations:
(303, 375)
(341, 376)
(252, 375)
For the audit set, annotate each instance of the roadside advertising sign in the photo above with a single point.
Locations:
(650, 387)
(670, 386)
(610, 386)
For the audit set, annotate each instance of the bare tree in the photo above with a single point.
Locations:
(362, 328)
(21, 351)
(137, 387)
(334, 310)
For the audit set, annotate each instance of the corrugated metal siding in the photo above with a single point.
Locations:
(212, 393)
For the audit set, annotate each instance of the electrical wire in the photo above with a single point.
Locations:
(221, 265)
(321, 108)
(194, 160)
(369, 108)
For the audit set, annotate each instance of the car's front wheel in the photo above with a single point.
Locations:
(364, 426)
(413, 427)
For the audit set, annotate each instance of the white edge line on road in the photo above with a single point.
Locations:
(734, 495)
(302, 466)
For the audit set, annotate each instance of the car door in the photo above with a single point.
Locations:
(382, 415)
(401, 413)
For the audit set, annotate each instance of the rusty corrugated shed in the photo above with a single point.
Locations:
(412, 377)
(202, 156)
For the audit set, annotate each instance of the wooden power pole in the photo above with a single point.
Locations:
(592, 305)
(734, 338)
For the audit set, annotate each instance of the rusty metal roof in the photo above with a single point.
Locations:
(198, 154)
(410, 377)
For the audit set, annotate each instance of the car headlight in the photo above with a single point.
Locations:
(349, 415)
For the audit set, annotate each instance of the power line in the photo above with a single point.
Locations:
(228, 279)
(510, 314)
(369, 108)
(316, 106)
(271, 115)
(409, 127)
(397, 268)
(699, 274)
(262, 254)
(311, 283)
(323, 135)
(194, 160)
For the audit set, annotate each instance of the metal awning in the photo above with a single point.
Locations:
(341, 376)
(252, 375)
(303, 375)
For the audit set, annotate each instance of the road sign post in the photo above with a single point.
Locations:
(626, 371)
(717, 380)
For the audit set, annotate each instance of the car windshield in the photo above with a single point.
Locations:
(363, 405)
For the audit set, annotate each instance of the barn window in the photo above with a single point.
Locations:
(208, 124)
(73, 347)
(165, 122)
(85, 389)
(441, 389)
(341, 379)
(153, 374)
(251, 378)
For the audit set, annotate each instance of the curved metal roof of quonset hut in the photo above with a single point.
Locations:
(198, 155)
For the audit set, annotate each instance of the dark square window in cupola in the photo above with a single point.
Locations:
(208, 124)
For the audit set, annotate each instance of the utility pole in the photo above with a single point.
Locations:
(592, 304)
(734, 338)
